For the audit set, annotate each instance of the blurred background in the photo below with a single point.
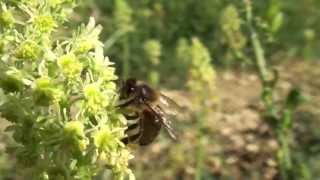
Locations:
(202, 55)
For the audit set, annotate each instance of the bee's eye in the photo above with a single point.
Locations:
(141, 100)
(130, 90)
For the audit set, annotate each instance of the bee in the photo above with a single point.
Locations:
(151, 110)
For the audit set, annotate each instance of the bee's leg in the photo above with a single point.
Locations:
(126, 103)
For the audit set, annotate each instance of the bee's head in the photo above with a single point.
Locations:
(128, 88)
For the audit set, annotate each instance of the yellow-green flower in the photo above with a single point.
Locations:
(110, 86)
(123, 16)
(107, 73)
(45, 92)
(231, 26)
(107, 140)
(123, 159)
(28, 50)
(84, 46)
(74, 129)
(70, 65)
(6, 18)
(74, 136)
(95, 99)
(152, 49)
(201, 74)
(45, 23)
(309, 34)
(120, 161)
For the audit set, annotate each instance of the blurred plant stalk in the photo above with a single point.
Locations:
(201, 83)
(280, 118)
(124, 25)
(152, 49)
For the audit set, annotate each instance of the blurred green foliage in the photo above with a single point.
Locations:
(172, 42)
(218, 24)
(175, 43)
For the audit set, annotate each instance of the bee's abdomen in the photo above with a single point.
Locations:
(149, 128)
(144, 130)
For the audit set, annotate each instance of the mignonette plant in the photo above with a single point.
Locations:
(59, 94)
(201, 78)
(280, 118)
(195, 59)
(233, 38)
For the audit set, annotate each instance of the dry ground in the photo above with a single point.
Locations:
(239, 144)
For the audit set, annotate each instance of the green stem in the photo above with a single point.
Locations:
(125, 58)
(257, 47)
(113, 39)
(260, 62)
(282, 124)
(284, 136)
(200, 146)
(284, 157)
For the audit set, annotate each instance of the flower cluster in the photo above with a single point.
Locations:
(201, 75)
(123, 16)
(233, 37)
(152, 49)
(58, 95)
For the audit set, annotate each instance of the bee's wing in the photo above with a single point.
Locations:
(168, 126)
(168, 106)
(161, 115)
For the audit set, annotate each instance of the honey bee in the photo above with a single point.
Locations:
(151, 110)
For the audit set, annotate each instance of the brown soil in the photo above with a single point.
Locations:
(239, 144)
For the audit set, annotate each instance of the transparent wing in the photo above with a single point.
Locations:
(168, 106)
(161, 115)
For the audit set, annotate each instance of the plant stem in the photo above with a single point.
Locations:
(284, 136)
(125, 58)
(283, 123)
(200, 146)
(260, 62)
(113, 39)
(257, 47)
